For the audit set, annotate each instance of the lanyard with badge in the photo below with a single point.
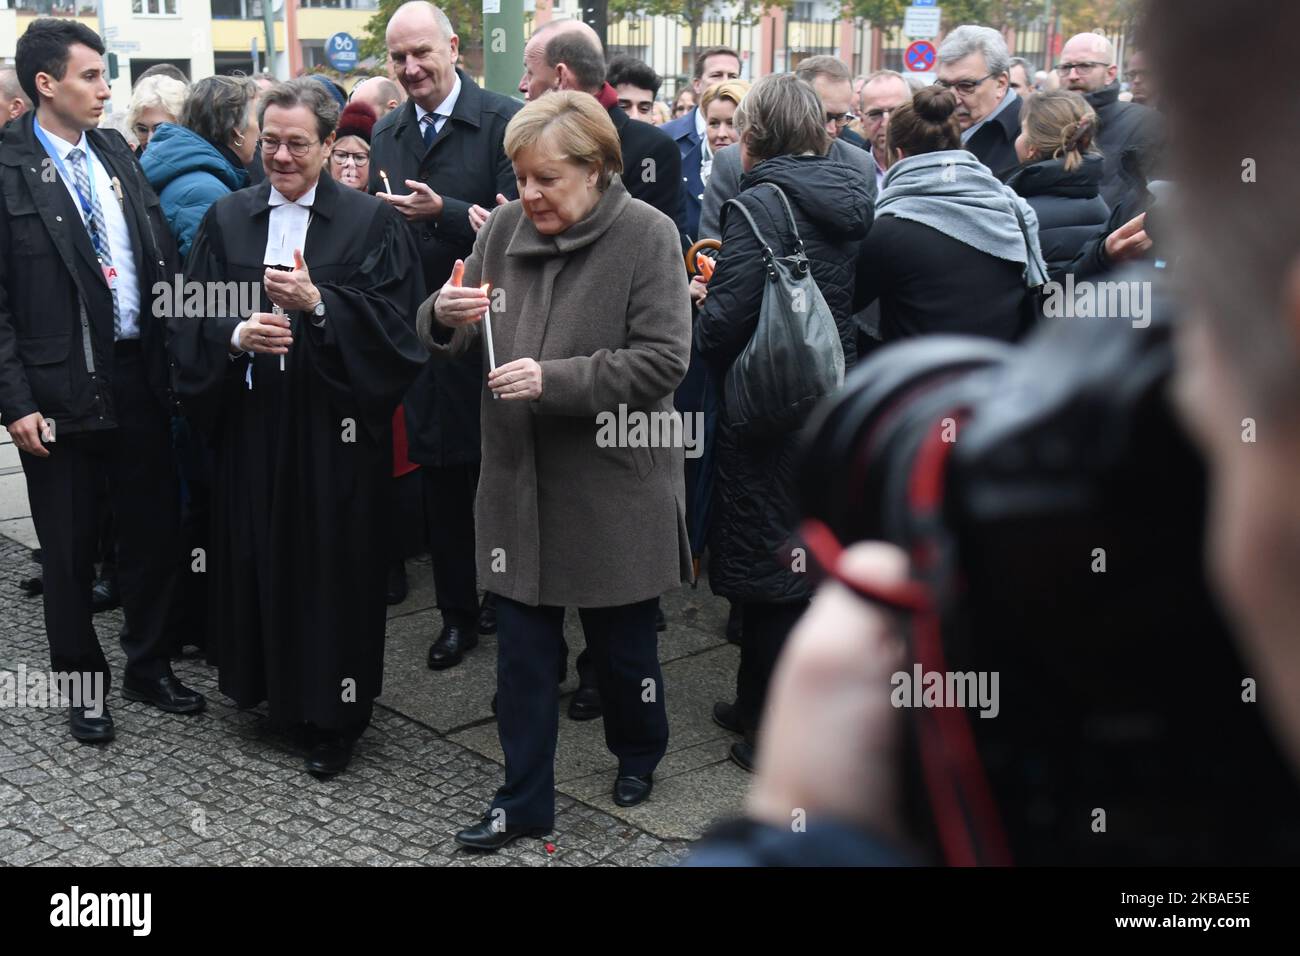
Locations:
(87, 202)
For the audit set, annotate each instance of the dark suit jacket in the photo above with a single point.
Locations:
(652, 168)
(56, 310)
(466, 165)
(691, 147)
(994, 143)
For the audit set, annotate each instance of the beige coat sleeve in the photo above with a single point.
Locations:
(441, 341)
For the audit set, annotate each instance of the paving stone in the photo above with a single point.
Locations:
(223, 789)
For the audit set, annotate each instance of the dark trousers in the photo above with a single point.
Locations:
(63, 490)
(449, 517)
(765, 629)
(624, 652)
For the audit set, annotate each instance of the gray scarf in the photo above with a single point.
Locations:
(954, 193)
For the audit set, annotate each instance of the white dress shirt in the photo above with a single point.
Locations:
(441, 112)
(127, 285)
(285, 232)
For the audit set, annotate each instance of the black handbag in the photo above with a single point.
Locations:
(794, 358)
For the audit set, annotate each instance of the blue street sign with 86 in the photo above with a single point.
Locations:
(341, 51)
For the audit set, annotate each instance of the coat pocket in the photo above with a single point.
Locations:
(45, 363)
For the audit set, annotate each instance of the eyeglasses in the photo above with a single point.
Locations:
(272, 146)
(1084, 67)
(340, 158)
(141, 129)
(965, 87)
(875, 116)
(840, 119)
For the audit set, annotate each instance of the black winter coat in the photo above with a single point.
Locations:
(466, 165)
(928, 282)
(754, 509)
(1069, 207)
(1120, 127)
(56, 311)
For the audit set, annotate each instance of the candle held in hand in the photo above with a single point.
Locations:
(487, 330)
(387, 187)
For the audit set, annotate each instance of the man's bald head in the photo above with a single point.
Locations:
(1090, 58)
(563, 55)
(13, 101)
(422, 51)
(379, 93)
(420, 13)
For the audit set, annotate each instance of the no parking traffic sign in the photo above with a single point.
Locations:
(919, 56)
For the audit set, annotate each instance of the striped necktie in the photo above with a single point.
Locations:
(98, 228)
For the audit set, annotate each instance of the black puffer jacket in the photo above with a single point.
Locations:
(1069, 207)
(754, 513)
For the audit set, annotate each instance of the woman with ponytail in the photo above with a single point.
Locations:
(1061, 176)
(951, 249)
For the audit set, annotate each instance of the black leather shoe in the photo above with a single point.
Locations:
(734, 624)
(484, 836)
(487, 614)
(90, 730)
(742, 755)
(330, 755)
(585, 704)
(103, 595)
(451, 645)
(727, 716)
(661, 622)
(397, 589)
(629, 791)
(165, 693)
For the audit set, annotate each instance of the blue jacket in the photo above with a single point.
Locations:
(690, 145)
(189, 174)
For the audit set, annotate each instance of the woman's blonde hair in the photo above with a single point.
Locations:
(157, 92)
(733, 90)
(575, 126)
(1060, 124)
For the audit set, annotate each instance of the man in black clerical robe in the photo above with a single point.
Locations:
(298, 556)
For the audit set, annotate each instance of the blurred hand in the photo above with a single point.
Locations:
(1129, 241)
(830, 734)
(456, 305)
(478, 215)
(699, 290)
(26, 433)
(267, 333)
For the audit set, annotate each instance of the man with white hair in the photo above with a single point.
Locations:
(1088, 66)
(975, 65)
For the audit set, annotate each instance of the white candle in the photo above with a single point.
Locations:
(487, 329)
(387, 187)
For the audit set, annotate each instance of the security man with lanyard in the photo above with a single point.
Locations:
(83, 366)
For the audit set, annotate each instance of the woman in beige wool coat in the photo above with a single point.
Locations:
(591, 326)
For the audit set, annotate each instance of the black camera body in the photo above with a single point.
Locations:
(1063, 547)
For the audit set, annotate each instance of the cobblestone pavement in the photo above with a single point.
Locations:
(219, 789)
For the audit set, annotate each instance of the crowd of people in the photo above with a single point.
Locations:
(448, 288)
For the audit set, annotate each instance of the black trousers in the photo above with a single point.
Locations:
(63, 490)
(765, 629)
(624, 652)
(449, 517)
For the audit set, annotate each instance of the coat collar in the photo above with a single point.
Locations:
(468, 110)
(1104, 97)
(325, 203)
(527, 241)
